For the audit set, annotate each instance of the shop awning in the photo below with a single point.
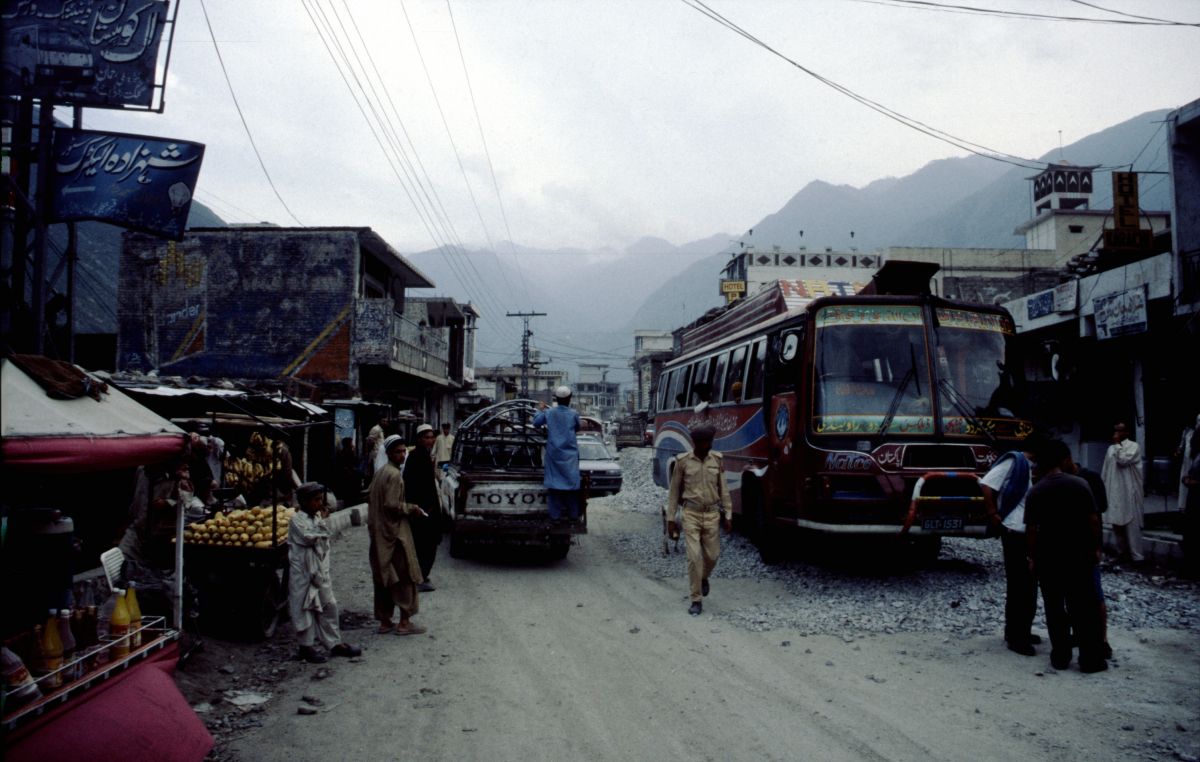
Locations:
(40, 433)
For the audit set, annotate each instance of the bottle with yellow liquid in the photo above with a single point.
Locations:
(52, 652)
(135, 617)
(118, 628)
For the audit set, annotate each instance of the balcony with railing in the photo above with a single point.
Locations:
(381, 337)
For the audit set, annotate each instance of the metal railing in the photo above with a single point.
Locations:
(419, 347)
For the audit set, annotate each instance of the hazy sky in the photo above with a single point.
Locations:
(608, 120)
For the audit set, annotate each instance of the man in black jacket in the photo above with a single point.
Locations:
(420, 487)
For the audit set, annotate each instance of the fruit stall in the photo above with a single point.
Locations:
(97, 671)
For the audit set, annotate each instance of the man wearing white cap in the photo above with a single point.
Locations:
(561, 466)
(395, 570)
(420, 486)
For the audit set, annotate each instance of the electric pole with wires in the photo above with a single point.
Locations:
(525, 335)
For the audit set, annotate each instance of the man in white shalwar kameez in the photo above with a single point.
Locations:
(1122, 475)
(313, 608)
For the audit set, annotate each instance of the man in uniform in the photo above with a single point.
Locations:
(698, 484)
(561, 466)
(393, 556)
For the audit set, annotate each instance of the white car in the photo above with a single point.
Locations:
(600, 465)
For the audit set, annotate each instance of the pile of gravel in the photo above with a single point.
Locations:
(859, 588)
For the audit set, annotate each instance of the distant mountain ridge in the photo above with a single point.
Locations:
(594, 299)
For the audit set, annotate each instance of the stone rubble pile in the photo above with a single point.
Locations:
(865, 588)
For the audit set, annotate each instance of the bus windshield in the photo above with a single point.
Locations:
(974, 383)
(871, 371)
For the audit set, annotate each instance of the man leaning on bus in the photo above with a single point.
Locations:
(698, 484)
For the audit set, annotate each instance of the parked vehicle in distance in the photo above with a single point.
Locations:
(631, 432)
(599, 465)
(648, 436)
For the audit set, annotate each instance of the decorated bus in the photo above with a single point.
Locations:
(849, 408)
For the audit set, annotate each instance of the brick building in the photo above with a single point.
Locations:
(328, 307)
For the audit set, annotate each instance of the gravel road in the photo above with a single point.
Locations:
(595, 657)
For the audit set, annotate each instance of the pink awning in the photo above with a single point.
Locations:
(82, 454)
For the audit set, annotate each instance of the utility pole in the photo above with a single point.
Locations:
(525, 334)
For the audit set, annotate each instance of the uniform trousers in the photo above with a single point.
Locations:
(701, 533)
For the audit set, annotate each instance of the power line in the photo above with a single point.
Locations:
(930, 5)
(907, 121)
(242, 116)
(945, 137)
(441, 114)
(1133, 15)
(488, 154)
(379, 127)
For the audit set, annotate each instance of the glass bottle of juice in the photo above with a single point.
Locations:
(37, 657)
(135, 617)
(118, 628)
(71, 673)
(79, 630)
(91, 626)
(19, 687)
(52, 651)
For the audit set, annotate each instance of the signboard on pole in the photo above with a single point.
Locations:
(1121, 314)
(82, 52)
(134, 181)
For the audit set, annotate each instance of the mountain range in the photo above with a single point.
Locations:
(595, 299)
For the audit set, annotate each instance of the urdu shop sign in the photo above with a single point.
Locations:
(84, 52)
(134, 181)
(1121, 314)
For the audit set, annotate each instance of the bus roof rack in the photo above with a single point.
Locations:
(902, 277)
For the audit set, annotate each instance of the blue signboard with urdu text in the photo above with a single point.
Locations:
(134, 181)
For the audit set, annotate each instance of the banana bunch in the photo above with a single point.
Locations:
(248, 528)
(258, 464)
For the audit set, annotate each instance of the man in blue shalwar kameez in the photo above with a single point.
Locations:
(561, 463)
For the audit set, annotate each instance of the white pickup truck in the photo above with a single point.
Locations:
(491, 489)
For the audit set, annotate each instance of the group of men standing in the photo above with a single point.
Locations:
(1047, 511)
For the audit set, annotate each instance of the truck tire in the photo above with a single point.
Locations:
(458, 546)
(560, 546)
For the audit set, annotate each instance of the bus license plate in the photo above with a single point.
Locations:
(942, 524)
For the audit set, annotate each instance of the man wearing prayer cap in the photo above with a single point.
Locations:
(395, 570)
(561, 464)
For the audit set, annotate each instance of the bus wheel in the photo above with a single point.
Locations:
(925, 550)
(764, 536)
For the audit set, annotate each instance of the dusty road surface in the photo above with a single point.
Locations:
(594, 658)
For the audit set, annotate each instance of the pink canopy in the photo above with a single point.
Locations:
(41, 433)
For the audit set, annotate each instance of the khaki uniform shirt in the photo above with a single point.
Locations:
(698, 485)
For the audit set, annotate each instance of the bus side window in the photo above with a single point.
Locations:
(733, 376)
(717, 377)
(680, 389)
(664, 392)
(699, 378)
(754, 373)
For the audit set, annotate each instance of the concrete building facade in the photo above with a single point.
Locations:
(328, 308)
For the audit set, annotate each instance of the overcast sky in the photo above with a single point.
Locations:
(606, 121)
